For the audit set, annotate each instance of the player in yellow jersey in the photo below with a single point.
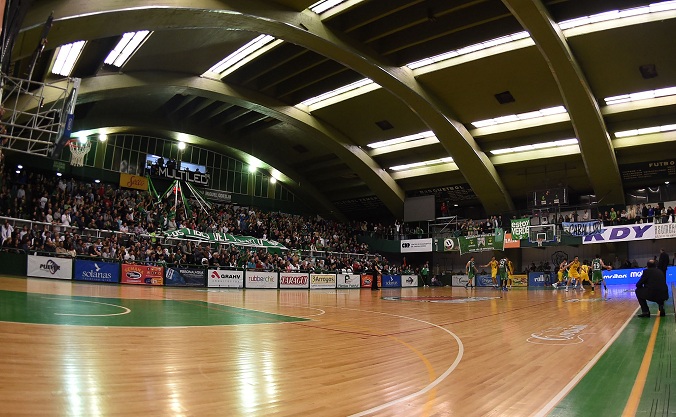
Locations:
(561, 274)
(494, 270)
(510, 272)
(573, 272)
(584, 276)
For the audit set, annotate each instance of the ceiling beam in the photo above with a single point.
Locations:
(77, 19)
(595, 144)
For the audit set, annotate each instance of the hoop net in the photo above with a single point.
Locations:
(78, 151)
(540, 242)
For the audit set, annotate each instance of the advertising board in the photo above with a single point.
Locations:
(225, 278)
(409, 280)
(260, 279)
(391, 281)
(348, 281)
(294, 280)
(322, 281)
(142, 274)
(49, 267)
(96, 271)
(183, 276)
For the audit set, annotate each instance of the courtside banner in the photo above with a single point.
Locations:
(416, 245)
(511, 243)
(483, 281)
(622, 276)
(142, 274)
(294, 280)
(391, 281)
(520, 280)
(665, 230)
(49, 267)
(520, 228)
(459, 280)
(540, 279)
(348, 280)
(185, 277)
(224, 278)
(322, 281)
(96, 271)
(409, 280)
(612, 234)
(451, 244)
(258, 279)
(367, 280)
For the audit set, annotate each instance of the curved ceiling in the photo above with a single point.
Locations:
(323, 150)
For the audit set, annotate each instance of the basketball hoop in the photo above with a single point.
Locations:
(540, 242)
(78, 151)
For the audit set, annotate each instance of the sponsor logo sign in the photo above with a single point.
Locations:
(184, 277)
(569, 335)
(622, 276)
(583, 228)
(48, 267)
(225, 278)
(520, 228)
(416, 245)
(483, 242)
(142, 274)
(183, 175)
(96, 271)
(322, 281)
(294, 280)
(622, 234)
(483, 281)
(459, 280)
(519, 280)
(391, 281)
(511, 242)
(133, 181)
(348, 281)
(665, 230)
(409, 280)
(367, 280)
(540, 279)
(451, 244)
(215, 195)
(257, 279)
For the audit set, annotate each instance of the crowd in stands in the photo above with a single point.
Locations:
(64, 209)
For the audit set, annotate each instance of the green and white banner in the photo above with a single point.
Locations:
(483, 242)
(520, 228)
(224, 238)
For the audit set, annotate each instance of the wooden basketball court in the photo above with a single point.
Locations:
(82, 349)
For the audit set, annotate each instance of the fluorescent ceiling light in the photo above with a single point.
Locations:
(324, 5)
(402, 139)
(643, 95)
(67, 57)
(522, 116)
(124, 49)
(246, 53)
(338, 91)
(536, 146)
(422, 164)
(468, 50)
(645, 131)
(617, 14)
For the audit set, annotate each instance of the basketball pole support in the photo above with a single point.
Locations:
(37, 115)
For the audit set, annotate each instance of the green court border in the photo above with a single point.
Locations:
(53, 309)
(605, 389)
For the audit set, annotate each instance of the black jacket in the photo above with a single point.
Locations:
(652, 285)
(663, 262)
